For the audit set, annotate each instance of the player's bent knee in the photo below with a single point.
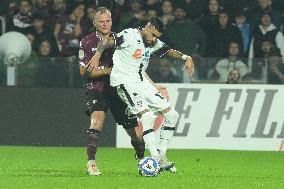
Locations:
(134, 135)
(171, 117)
(147, 120)
(97, 120)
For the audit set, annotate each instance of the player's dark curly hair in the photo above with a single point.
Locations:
(158, 23)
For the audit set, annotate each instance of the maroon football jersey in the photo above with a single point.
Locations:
(88, 47)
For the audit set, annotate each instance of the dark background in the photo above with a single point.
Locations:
(47, 117)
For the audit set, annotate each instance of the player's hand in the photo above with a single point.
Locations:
(107, 71)
(95, 60)
(94, 63)
(102, 45)
(163, 90)
(189, 66)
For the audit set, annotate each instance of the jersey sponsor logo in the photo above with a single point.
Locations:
(146, 56)
(137, 54)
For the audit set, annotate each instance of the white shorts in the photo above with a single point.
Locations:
(142, 96)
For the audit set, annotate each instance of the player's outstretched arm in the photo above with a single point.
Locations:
(92, 68)
(188, 65)
(94, 73)
(102, 45)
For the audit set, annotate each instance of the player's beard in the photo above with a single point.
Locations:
(147, 43)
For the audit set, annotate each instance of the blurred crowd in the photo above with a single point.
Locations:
(223, 36)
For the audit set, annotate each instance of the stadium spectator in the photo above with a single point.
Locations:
(265, 6)
(11, 9)
(153, 4)
(242, 24)
(151, 13)
(26, 73)
(134, 16)
(41, 32)
(275, 73)
(209, 21)
(41, 6)
(52, 71)
(233, 6)
(45, 49)
(165, 73)
(193, 9)
(268, 30)
(68, 29)
(233, 62)
(259, 63)
(193, 38)
(31, 38)
(57, 10)
(90, 10)
(219, 39)
(167, 11)
(22, 20)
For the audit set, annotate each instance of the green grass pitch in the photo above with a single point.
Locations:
(64, 168)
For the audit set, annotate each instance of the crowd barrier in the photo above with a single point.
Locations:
(64, 72)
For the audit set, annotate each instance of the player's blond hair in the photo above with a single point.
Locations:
(101, 10)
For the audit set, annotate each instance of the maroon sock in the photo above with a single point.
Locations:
(139, 148)
(92, 143)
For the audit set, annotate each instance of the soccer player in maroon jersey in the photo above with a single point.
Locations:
(99, 94)
(134, 48)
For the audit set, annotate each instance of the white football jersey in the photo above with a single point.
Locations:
(131, 58)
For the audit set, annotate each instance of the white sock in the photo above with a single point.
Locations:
(165, 139)
(167, 131)
(147, 121)
(91, 162)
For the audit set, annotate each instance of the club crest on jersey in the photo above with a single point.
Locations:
(81, 54)
(146, 56)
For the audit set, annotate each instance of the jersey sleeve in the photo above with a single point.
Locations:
(159, 44)
(160, 48)
(86, 52)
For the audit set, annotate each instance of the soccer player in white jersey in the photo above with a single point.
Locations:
(131, 57)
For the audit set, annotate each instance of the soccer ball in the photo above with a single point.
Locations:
(148, 166)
